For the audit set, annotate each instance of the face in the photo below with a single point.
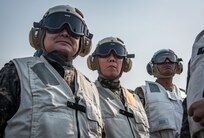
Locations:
(110, 66)
(167, 68)
(61, 42)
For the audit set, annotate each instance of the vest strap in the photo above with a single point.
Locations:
(126, 113)
(76, 106)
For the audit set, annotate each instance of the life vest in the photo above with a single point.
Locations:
(164, 108)
(126, 120)
(48, 108)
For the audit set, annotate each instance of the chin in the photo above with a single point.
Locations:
(64, 53)
(112, 77)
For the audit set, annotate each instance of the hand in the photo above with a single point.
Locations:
(196, 110)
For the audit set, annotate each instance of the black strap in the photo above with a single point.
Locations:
(126, 113)
(76, 106)
(200, 51)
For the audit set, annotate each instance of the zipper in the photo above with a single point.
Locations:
(77, 121)
(126, 109)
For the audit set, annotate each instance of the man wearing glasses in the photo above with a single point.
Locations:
(162, 99)
(122, 111)
(46, 96)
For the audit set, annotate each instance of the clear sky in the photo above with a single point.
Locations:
(144, 25)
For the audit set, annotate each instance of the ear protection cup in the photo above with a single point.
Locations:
(149, 68)
(35, 37)
(127, 64)
(179, 68)
(85, 46)
(91, 63)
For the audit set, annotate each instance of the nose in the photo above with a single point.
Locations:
(112, 57)
(64, 33)
(167, 60)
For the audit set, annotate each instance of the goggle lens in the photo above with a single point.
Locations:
(161, 58)
(105, 49)
(55, 22)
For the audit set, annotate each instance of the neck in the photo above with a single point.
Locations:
(59, 59)
(166, 83)
(111, 84)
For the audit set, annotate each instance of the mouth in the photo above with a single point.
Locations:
(64, 42)
(112, 66)
(168, 67)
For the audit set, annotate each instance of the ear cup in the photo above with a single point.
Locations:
(127, 64)
(149, 68)
(91, 63)
(85, 46)
(35, 37)
(179, 68)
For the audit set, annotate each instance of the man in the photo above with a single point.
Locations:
(193, 124)
(122, 111)
(47, 96)
(162, 99)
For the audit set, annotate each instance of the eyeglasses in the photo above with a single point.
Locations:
(54, 23)
(105, 49)
(161, 58)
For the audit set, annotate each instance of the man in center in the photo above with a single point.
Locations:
(122, 111)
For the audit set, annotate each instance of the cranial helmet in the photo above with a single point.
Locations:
(56, 19)
(159, 57)
(105, 47)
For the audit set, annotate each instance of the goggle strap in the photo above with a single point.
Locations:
(180, 59)
(130, 55)
(37, 24)
(90, 36)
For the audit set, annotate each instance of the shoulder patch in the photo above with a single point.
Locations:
(153, 87)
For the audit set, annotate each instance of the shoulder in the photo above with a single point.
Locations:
(82, 76)
(10, 82)
(9, 68)
(131, 91)
(139, 91)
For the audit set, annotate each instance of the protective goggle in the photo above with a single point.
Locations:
(54, 23)
(106, 49)
(161, 58)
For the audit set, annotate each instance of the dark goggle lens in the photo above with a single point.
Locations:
(55, 22)
(161, 58)
(106, 48)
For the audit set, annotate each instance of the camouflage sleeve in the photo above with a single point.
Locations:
(185, 133)
(9, 94)
(140, 94)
